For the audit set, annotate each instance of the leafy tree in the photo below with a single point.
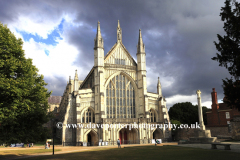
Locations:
(229, 51)
(186, 113)
(23, 98)
(175, 122)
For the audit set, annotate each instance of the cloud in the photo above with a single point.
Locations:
(58, 62)
(178, 36)
(190, 98)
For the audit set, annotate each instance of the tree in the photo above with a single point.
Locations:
(229, 51)
(23, 97)
(186, 113)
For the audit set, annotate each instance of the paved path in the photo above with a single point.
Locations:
(235, 146)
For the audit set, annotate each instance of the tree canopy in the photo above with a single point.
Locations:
(229, 51)
(186, 113)
(23, 97)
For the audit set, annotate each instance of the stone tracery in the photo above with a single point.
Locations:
(120, 98)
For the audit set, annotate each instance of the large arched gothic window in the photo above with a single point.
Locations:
(88, 116)
(152, 116)
(120, 98)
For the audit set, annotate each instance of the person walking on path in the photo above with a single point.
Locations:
(46, 145)
(118, 142)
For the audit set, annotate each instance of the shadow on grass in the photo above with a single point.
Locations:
(10, 154)
(147, 152)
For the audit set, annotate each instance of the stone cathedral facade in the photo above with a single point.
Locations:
(114, 92)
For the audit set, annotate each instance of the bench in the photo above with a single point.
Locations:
(227, 146)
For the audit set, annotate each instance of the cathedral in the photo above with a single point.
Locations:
(113, 93)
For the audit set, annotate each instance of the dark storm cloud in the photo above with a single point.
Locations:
(178, 36)
(57, 85)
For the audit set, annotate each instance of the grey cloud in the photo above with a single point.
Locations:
(57, 85)
(178, 36)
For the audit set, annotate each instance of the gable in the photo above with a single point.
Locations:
(118, 54)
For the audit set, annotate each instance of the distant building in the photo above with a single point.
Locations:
(54, 102)
(219, 117)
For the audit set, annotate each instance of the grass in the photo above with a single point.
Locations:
(23, 152)
(42, 143)
(147, 152)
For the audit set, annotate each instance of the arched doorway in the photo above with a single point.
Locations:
(89, 139)
(127, 136)
(157, 134)
(92, 139)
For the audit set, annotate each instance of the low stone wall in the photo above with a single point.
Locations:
(184, 134)
(235, 125)
(220, 132)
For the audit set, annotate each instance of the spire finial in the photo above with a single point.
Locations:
(159, 88)
(98, 40)
(119, 33)
(159, 83)
(98, 30)
(76, 75)
(140, 46)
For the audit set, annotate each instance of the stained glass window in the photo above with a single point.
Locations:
(120, 92)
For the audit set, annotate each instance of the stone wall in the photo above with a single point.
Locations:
(183, 134)
(219, 132)
(235, 124)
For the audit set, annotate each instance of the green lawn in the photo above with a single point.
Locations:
(11, 153)
(148, 152)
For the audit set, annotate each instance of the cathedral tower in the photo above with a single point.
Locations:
(141, 72)
(98, 73)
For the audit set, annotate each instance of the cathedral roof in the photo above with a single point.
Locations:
(54, 99)
(87, 78)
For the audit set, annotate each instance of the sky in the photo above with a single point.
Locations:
(178, 35)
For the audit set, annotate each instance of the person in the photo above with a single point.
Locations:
(155, 142)
(32, 144)
(46, 145)
(118, 142)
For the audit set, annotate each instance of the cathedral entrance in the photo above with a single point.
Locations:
(157, 134)
(89, 139)
(127, 136)
(92, 139)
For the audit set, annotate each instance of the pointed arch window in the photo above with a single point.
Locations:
(88, 116)
(120, 98)
(152, 116)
